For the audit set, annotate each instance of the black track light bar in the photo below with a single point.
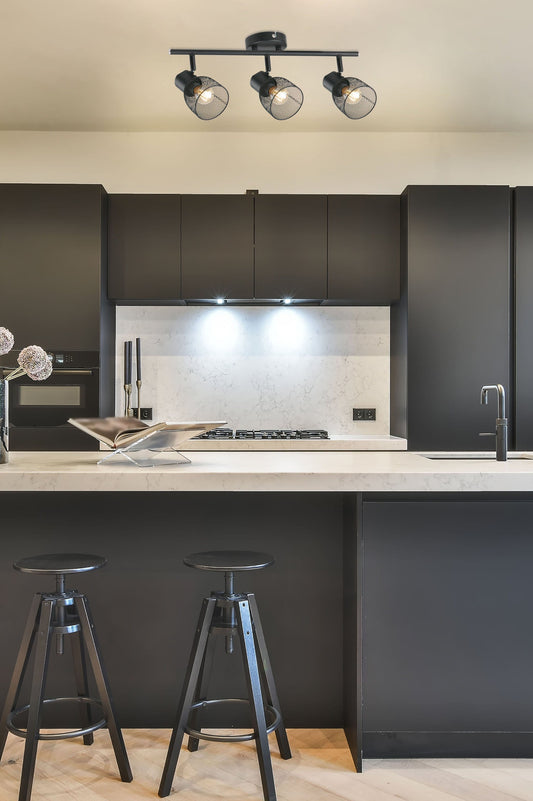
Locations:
(194, 52)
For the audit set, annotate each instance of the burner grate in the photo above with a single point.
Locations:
(264, 434)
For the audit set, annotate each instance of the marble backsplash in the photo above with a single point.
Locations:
(260, 366)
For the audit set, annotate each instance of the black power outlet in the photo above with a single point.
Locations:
(146, 413)
(364, 414)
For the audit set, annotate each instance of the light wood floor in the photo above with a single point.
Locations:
(320, 770)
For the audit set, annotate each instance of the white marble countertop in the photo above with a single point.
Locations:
(280, 471)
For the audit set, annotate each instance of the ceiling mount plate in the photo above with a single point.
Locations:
(266, 41)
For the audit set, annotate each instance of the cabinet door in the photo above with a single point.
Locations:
(447, 599)
(51, 264)
(217, 246)
(523, 211)
(456, 315)
(144, 247)
(290, 246)
(364, 248)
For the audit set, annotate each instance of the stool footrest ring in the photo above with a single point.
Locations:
(64, 735)
(231, 738)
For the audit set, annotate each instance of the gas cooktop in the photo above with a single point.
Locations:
(263, 433)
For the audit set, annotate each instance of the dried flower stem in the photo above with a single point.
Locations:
(15, 373)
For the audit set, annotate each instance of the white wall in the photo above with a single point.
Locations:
(261, 367)
(233, 162)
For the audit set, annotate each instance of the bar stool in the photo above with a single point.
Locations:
(63, 613)
(229, 613)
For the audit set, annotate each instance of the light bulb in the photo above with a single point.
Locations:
(220, 301)
(204, 96)
(352, 95)
(287, 301)
(278, 96)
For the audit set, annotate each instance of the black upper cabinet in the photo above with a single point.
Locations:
(523, 229)
(364, 248)
(450, 333)
(144, 247)
(52, 264)
(217, 246)
(197, 247)
(290, 246)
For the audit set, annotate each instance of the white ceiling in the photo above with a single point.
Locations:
(103, 65)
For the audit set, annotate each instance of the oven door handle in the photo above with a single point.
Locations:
(59, 371)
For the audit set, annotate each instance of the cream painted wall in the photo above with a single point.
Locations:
(233, 162)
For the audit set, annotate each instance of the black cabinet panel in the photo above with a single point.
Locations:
(447, 599)
(364, 248)
(290, 246)
(456, 310)
(523, 221)
(51, 264)
(217, 246)
(144, 247)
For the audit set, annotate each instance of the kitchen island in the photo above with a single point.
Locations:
(399, 604)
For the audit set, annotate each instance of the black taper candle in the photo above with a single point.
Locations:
(138, 357)
(127, 361)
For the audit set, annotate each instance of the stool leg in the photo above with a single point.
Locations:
(256, 698)
(203, 686)
(89, 636)
(187, 694)
(82, 686)
(273, 700)
(42, 650)
(19, 669)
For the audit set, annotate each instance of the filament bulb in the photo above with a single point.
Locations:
(352, 95)
(204, 95)
(278, 95)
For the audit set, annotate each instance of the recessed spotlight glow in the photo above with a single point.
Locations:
(220, 301)
(287, 301)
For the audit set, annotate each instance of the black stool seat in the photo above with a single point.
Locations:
(229, 561)
(60, 563)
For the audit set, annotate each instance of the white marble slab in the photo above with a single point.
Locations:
(261, 367)
(386, 471)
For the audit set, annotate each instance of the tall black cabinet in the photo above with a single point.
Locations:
(52, 257)
(523, 232)
(450, 331)
(53, 263)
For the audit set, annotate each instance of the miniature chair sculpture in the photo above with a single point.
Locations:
(229, 614)
(63, 613)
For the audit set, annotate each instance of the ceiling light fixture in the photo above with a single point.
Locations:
(205, 97)
(352, 96)
(281, 98)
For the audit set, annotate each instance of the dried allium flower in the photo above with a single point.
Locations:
(33, 359)
(7, 340)
(42, 375)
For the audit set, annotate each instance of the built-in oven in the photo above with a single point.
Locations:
(39, 410)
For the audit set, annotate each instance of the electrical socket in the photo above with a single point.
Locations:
(146, 413)
(364, 414)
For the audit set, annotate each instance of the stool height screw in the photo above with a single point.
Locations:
(60, 611)
(229, 614)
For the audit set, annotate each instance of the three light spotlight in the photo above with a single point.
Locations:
(279, 97)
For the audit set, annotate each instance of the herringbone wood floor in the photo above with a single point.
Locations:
(320, 770)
